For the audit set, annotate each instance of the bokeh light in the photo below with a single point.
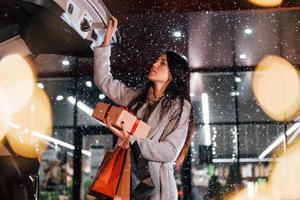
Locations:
(5, 113)
(266, 3)
(276, 86)
(17, 80)
(285, 179)
(245, 194)
(283, 182)
(35, 116)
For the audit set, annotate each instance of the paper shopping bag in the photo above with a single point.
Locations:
(123, 191)
(109, 173)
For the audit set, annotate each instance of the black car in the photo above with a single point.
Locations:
(33, 27)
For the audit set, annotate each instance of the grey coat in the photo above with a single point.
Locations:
(162, 146)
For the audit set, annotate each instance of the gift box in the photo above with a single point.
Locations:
(118, 114)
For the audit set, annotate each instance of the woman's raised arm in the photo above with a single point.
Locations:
(113, 88)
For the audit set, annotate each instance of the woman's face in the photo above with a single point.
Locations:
(160, 71)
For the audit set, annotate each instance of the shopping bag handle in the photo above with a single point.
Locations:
(124, 143)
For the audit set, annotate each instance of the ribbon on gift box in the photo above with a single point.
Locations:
(136, 123)
(134, 127)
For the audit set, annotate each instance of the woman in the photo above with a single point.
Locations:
(164, 104)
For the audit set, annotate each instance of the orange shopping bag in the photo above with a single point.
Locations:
(107, 178)
(123, 191)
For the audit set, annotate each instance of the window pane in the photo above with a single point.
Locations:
(220, 101)
(97, 146)
(256, 138)
(89, 95)
(249, 111)
(58, 90)
(56, 169)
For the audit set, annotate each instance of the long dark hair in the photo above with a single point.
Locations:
(179, 87)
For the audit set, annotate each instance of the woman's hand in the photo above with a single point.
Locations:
(111, 29)
(123, 134)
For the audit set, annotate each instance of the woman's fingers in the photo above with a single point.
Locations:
(121, 134)
(124, 130)
(110, 22)
(111, 29)
(115, 22)
(107, 122)
(116, 132)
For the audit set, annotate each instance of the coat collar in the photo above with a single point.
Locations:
(155, 120)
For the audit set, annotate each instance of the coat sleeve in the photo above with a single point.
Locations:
(169, 148)
(113, 88)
